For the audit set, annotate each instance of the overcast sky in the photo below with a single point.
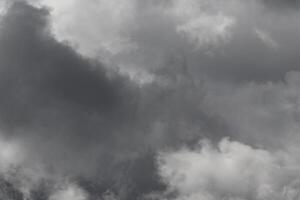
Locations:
(149, 100)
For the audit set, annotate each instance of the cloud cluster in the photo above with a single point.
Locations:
(46, 87)
(232, 170)
(234, 40)
(73, 117)
(60, 114)
(92, 90)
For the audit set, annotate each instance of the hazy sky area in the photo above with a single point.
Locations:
(149, 100)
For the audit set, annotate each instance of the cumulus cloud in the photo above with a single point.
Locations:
(231, 170)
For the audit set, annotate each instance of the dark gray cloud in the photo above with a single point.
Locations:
(52, 95)
(66, 109)
(83, 127)
(77, 118)
(7, 191)
(35, 65)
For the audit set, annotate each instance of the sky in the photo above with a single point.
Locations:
(149, 100)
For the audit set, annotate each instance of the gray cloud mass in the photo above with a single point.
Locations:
(146, 100)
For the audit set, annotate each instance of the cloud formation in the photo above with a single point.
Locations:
(45, 85)
(92, 92)
(70, 114)
(225, 40)
(64, 111)
(231, 170)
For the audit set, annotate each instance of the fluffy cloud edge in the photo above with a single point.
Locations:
(230, 170)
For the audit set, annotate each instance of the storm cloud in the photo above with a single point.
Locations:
(70, 114)
(109, 99)
(64, 109)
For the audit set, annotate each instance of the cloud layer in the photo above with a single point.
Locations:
(98, 99)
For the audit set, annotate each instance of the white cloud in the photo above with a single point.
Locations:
(106, 27)
(69, 191)
(95, 27)
(10, 154)
(18, 168)
(202, 22)
(207, 30)
(3, 8)
(230, 171)
(146, 34)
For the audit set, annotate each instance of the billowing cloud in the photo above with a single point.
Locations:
(98, 33)
(232, 170)
(225, 40)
